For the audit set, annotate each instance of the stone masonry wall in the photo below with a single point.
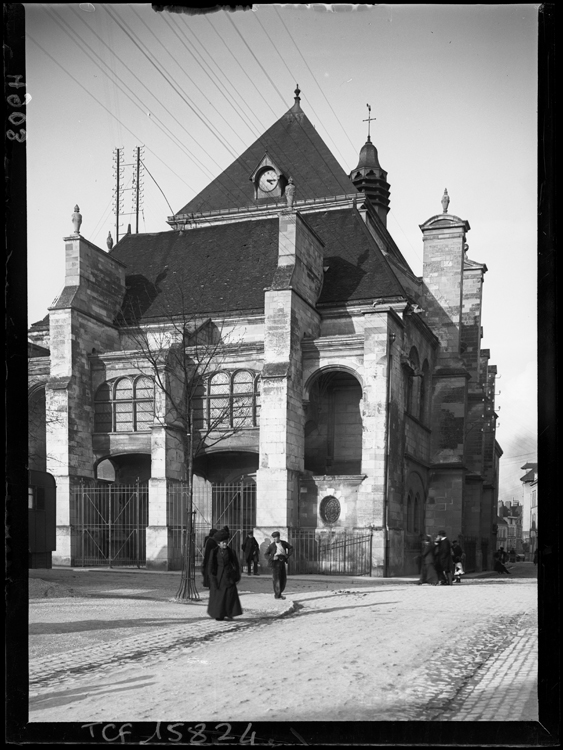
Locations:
(80, 321)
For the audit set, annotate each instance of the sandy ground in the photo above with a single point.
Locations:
(377, 653)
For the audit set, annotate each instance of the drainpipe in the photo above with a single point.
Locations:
(390, 341)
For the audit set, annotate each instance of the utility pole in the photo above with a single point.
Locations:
(136, 188)
(137, 185)
(118, 167)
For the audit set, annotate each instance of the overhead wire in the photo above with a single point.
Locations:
(295, 78)
(153, 116)
(305, 133)
(29, 36)
(222, 174)
(193, 107)
(313, 77)
(214, 78)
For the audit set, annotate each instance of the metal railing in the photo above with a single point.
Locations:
(110, 522)
(330, 552)
(214, 506)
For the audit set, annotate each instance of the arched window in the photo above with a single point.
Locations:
(124, 405)
(233, 400)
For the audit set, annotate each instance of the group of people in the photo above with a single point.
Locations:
(441, 561)
(221, 569)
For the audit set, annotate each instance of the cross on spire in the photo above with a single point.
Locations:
(369, 119)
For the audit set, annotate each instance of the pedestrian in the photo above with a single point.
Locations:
(224, 574)
(278, 554)
(512, 555)
(443, 559)
(499, 565)
(428, 569)
(251, 552)
(536, 556)
(502, 556)
(208, 544)
(457, 558)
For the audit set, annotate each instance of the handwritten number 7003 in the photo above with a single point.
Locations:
(16, 118)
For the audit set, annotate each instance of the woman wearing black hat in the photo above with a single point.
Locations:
(224, 574)
(209, 544)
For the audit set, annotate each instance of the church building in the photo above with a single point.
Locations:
(328, 392)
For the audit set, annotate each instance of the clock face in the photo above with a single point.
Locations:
(268, 180)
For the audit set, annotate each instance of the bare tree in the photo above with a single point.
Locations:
(182, 350)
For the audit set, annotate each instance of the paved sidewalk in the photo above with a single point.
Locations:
(506, 689)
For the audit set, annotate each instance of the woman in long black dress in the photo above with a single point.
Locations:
(224, 574)
(209, 544)
(428, 569)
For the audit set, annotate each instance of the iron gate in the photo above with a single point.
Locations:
(332, 553)
(214, 506)
(111, 522)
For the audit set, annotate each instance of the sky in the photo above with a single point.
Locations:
(453, 89)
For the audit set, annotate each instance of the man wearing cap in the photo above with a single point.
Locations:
(278, 554)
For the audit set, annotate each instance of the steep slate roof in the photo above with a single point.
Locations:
(212, 269)
(296, 148)
(225, 267)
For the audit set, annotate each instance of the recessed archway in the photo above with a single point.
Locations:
(333, 424)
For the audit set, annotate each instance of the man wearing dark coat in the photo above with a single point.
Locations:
(278, 554)
(251, 552)
(224, 574)
(208, 544)
(443, 560)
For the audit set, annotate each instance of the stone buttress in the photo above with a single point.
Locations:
(81, 322)
(289, 315)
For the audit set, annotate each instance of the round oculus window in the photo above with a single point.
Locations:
(330, 509)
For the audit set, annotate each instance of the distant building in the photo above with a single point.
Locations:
(530, 507)
(511, 513)
(363, 399)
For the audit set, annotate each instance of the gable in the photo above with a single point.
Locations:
(295, 147)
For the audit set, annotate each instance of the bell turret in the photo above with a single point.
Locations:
(370, 178)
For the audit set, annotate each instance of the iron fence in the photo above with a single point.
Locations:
(110, 522)
(330, 552)
(214, 506)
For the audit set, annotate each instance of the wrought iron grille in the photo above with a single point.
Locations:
(214, 506)
(330, 552)
(110, 522)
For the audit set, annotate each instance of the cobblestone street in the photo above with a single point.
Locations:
(392, 651)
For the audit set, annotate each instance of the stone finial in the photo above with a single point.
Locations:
(109, 241)
(297, 92)
(76, 220)
(445, 201)
(290, 193)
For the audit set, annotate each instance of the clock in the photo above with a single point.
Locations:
(268, 180)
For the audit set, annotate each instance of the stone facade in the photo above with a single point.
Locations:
(365, 390)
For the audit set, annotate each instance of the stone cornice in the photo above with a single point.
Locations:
(269, 211)
(350, 478)
(334, 343)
